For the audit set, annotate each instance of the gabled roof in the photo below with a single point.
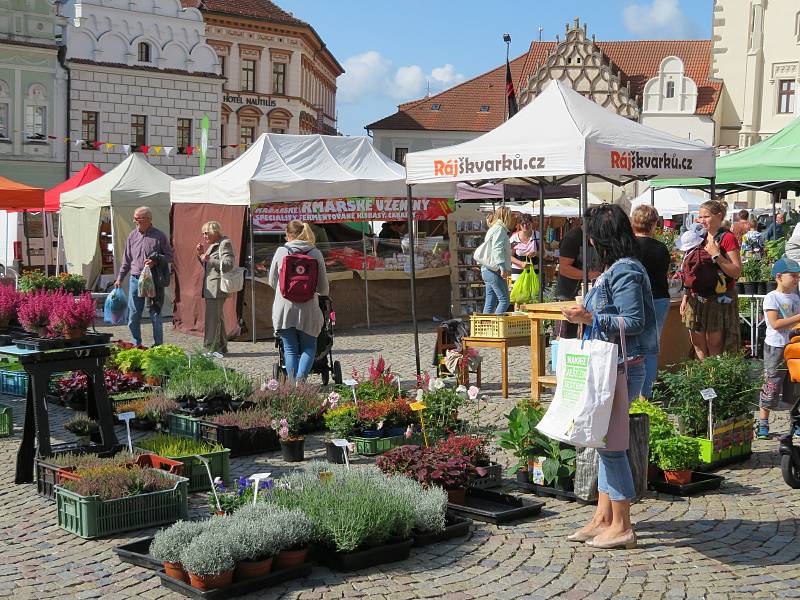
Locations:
(637, 61)
(256, 9)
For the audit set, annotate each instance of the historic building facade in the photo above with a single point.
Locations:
(142, 78)
(32, 94)
(280, 76)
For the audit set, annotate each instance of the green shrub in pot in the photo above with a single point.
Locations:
(661, 428)
(168, 543)
(429, 504)
(208, 554)
(255, 539)
(679, 453)
(522, 437)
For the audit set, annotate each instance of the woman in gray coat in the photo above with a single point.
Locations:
(298, 323)
(216, 259)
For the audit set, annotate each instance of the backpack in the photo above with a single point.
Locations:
(298, 276)
(700, 274)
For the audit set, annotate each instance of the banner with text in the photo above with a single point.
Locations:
(274, 216)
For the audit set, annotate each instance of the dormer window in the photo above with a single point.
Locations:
(484, 108)
(144, 52)
(436, 106)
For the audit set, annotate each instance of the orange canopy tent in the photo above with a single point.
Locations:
(52, 197)
(16, 196)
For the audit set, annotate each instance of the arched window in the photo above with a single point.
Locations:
(670, 89)
(144, 52)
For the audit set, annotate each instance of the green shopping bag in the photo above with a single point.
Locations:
(526, 287)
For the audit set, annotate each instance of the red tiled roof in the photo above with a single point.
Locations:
(636, 61)
(258, 9)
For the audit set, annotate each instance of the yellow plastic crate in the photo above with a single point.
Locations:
(502, 326)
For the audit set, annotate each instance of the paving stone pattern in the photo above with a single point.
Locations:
(741, 541)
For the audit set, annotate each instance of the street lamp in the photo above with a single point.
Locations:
(507, 40)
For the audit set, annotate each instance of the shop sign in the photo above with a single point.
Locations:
(253, 100)
(274, 216)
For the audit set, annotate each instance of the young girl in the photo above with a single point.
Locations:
(782, 314)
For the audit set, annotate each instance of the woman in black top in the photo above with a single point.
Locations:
(656, 259)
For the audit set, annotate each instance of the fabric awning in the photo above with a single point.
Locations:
(52, 197)
(15, 196)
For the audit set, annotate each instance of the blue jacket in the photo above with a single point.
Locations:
(624, 290)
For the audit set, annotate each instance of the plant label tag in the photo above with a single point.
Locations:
(340, 443)
(417, 406)
(257, 476)
(708, 394)
(126, 416)
(350, 382)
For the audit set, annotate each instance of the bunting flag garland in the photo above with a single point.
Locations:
(168, 150)
(97, 145)
(157, 149)
(144, 149)
(78, 143)
(189, 150)
(109, 146)
(127, 148)
(81, 143)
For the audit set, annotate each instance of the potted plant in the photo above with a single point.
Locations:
(9, 303)
(677, 456)
(34, 312)
(254, 544)
(186, 450)
(83, 427)
(766, 276)
(291, 442)
(523, 439)
(72, 316)
(209, 560)
(398, 418)
(341, 422)
(243, 432)
(751, 275)
(372, 417)
(129, 360)
(661, 428)
(161, 361)
(168, 544)
(559, 466)
(294, 531)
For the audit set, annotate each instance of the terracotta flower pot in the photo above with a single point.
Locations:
(211, 582)
(73, 333)
(176, 571)
(457, 496)
(250, 569)
(678, 477)
(289, 558)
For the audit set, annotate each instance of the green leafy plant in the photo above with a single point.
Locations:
(775, 249)
(170, 446)
(254, 539)
(661, 428)
(751, 270)
(559, 465)
(441, 412)
(679, 453)
(341, 421)
(429, 504)
(210, 553)
(522, 438)
(160, 361)
(130, 360)
(168, 544)
(81, 425)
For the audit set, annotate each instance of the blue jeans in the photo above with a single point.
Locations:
(497, 300)
(651, 360)
(299, 350)
(135, 310)
(614, 476)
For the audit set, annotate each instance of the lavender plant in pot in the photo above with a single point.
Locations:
(294, 532)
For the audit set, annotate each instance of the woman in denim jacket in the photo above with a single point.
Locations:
(623, 290)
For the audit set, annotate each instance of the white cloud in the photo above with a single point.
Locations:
(372, 75)
(660, 19)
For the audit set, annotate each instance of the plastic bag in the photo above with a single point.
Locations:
(115, 309)
(147, 287)
(526, 287)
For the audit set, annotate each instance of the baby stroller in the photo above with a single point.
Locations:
(324, 365)
(790, 454)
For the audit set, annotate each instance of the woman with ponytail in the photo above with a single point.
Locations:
(298, 323)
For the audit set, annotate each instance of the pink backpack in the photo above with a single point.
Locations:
(298, 276)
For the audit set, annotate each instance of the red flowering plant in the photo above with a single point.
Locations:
(372, 415)
(9, 302)
(400, 414)
(377, 384)
(35, 309)
(71, 313)
(470, 447)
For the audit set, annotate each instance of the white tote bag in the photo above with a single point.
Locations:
(586, 376)
(232, 281)
(483, 255)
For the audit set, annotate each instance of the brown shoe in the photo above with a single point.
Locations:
(627, 541)
(585, 536)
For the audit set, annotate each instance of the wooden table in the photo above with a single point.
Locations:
(504, 344)
(547, 311)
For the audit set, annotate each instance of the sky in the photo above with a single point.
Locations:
(394, 52)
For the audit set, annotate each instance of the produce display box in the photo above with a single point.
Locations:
(238, 588)
(363, 559)
(455, 526)
(195, 471)
(241, 442)
(47, 473)
(701, 482)
(507, 325)
(494, 507)
(492, 479)
(183, 425)
(375, 446)
(551, 492)
(6, 421)
(91, 517)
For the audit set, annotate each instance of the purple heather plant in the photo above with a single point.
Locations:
(69, 312)
(9, 302)
(244, 419)
(110, 482)
(35, 309)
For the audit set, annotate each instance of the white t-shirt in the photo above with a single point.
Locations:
(787, 305)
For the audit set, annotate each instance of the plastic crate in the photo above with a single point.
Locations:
(14, 383)
(503, 326)
(47, 473)
(183, 425)
(241, 442)
(195, 471)
(374, 446)
(6, 421)
(92, 517)
(493, 478)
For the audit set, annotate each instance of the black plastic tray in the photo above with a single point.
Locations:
(241, 442)
(6, 340)
(718, 464)
(701, 482)
(551, 492)
(495, 507)
(363, 559)
(42, 344)
(455, 526)
(237, 588)
(138, 553)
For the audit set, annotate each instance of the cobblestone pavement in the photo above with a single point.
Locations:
(741, 541)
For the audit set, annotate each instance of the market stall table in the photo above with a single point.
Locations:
(40, 366)
(504, 344)
(546, 311)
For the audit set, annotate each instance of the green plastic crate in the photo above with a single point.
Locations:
(220, 464)
(374, 446)
(183, 426)
(14, 383)
(6, 421)
(91, 517)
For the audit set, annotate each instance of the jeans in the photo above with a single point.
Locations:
(651, 360)
(299, 351)
(135, 310)
(614, 476)
(777, 383)
(497, 300)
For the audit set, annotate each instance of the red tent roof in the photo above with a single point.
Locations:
(18, 196)
(52, 198)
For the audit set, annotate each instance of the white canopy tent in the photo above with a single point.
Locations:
(129, 185)
(669, 201)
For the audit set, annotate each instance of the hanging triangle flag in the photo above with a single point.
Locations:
(144, 149)
(96, 145)
(109, 147)
(66, 139)
(168, 150)
(157, 149)
(78, 143)
(233, 146)
(189, 150)
(126, 148)
(52, 137)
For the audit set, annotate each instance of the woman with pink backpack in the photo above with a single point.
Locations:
(298, 276)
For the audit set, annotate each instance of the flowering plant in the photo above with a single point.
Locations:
(341, 420)
(81, 425)
(115, 481)
(36, 280)
(237, 496)
(68, 312)
(372, 415)
(9, 302)
(244, 419)
(34, 310)
(377, 384)
(288, 430)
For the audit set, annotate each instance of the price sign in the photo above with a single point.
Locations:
(352, 383)
(127, 416)
(708, 394)
(417, 406)
(256, 479)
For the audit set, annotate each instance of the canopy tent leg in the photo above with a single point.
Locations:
(652, 195)
(774, 202)
(584, 237)
(413, 277)
(58, 245)
(252, 273)
(541, 243)
(366, 280)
